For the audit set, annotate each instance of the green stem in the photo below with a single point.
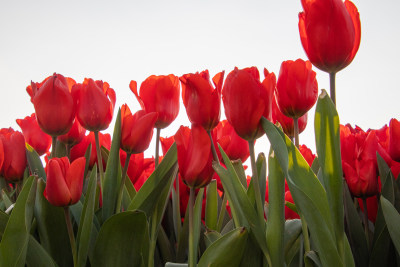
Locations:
(296, 132)
(70, 234)
(304, 229)
(332, 80)
(192, 253)
(121, 187)
(68, 150)
(157, 147)
(99, 159)
(256, 184)
(214, 151)
(53, 146)
(366, 230)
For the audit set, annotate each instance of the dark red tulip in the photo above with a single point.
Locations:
(372, 207)
(54, 105)
(297, 88)
(79, 149)
(34, 136)
(289, 213)
(330, 32)
(14, 155)
(233, 145)
(136, 130)
(359, 164)
(159, 94)
(286, 122)
(194, 156)
(74, 136)
(64, 181)
(95, 102)
(202, 101)
(246, 101)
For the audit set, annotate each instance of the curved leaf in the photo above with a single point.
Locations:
(392, 218)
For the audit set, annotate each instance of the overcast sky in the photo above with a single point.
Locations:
(120, 41)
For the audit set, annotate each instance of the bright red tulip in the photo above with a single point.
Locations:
(54, 105)
(232, 144)
(136, 130)
(13, 154)
(286, 122)
(166, 143)
(330, 32)
(290, 214)
(307, 154)
(359, 164)
(147, 170)
(159, 94)
(95, 102)
(394, 139)
(74, 136)
(297, 88)
(79, 149)
(136, 165)
(194, 156)
(202, 101)
(246, 100)
(64, 181)
(34, 136)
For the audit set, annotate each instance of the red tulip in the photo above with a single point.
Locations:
(307, 154)
(202, 101)
(136, 165)
(64, 181)
(74, 136)
(286, 122)
(359, 163)
(13, 154)
(372, 207)
(290, 214)
(194, 156)
(147, 170)
(330, 32)
(297, 88)
(34, 136)
(159, 94)
(79, 150)
(166, 143)
(246, 100)
(394, 139)
(232, 144)
(54, 105)
(95, 103)
(136, 130)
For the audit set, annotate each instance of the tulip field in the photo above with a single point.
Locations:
(73, 194)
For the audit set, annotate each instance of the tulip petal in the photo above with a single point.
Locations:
(74, 179)
(57, 192)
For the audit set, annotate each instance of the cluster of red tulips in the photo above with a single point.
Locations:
(209, 154)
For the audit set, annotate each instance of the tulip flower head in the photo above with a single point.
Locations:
(394, 139)
(34, 136)
(54, 105)
(330, 32)
(159, 94)
(297, 88)
(74, 136)
(64, 181)
(13, 155)
(136, 130)
(202, 101)
(95, 102)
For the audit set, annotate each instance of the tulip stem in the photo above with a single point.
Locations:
(70, 233)
(256, 184)
(332, 79)
(364, 200)
(68, 151)
(157, 147)
(121, 187)
(53, 146)
(192, 255)
(296, 132)
(99, 159)
(214, 151)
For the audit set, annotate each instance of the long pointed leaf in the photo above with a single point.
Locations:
(392, 218)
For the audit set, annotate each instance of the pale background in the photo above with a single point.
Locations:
(120, 41)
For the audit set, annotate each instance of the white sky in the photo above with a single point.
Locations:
(119, 41)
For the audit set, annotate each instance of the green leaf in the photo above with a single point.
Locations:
(3, 222)
(327, 139)
(111, 180)
(197, 220)
(122, 240)
(211, 237)
(86, 221)
(308, 194)
(52, 228)
(173, 264)
(14, 244)
(176, 213)
(292, 236)
(238, 165)
(6, 200)
(226, 251)
(311, 258)
(276, 212)
(211, 213)
(34, 162)
(392, 218)
(147, 197)
(37, 255)
(183, 239)
(261, 164)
